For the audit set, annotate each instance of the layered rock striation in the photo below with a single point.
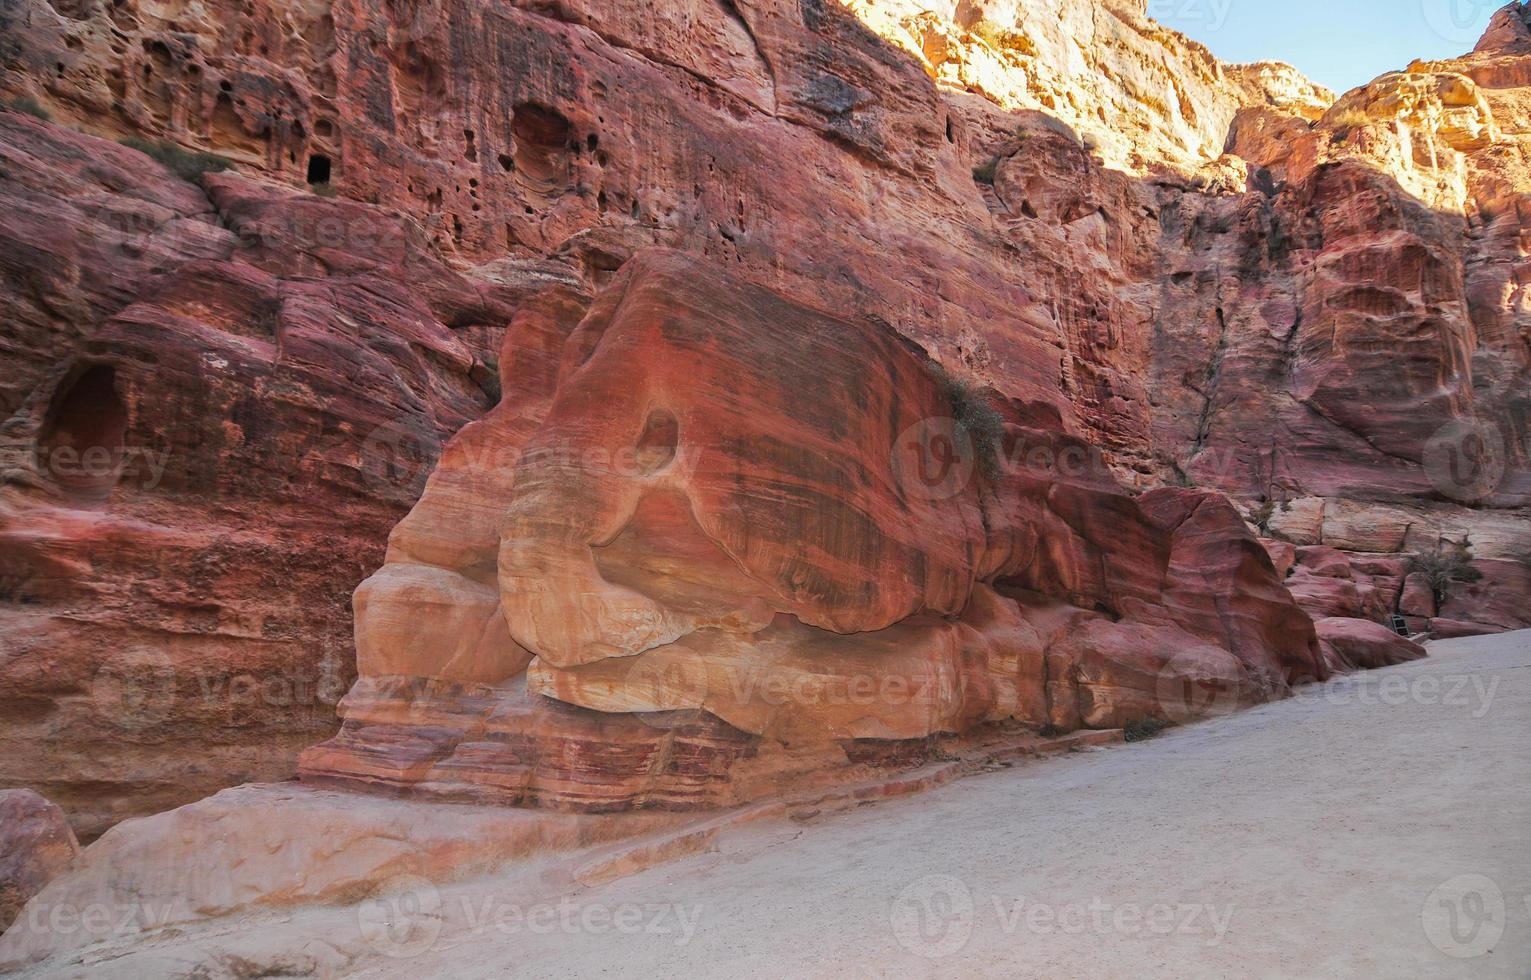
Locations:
(719, 529)
(36, 845)
(219, 398)
(1220, 276)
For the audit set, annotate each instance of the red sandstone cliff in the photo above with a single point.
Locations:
(1216, 274)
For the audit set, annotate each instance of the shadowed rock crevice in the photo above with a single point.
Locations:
(541, 152)
(81, 439)
(656, 444)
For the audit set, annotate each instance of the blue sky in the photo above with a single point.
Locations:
(1338, 43)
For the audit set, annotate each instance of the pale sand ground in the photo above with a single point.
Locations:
(1315, 829)
(1323, 836)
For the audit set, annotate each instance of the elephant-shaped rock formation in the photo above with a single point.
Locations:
(712, 538)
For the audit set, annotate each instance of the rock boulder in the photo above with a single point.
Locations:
(36, 845)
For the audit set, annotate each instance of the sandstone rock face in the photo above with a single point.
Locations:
(720, 516)
(314, 846)
(1218, 275)
(1495, 599)
(1141, 95)
(1417, 598)
(1507, 31)
(1327, 583)
(1213, 282)
(1358, 644)
(217, 404)
(36, 845)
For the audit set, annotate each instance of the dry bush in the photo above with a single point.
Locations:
(185, 164)
(28, 105)
(975, 418)
(1445, 565)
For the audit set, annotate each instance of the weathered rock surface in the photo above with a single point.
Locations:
(1330, 583)
(36, 846)
(1497, 598)
(724, 532)
(218, 399)
(1140, 94)
(1359, 644)
(336, 850)
(1218, 275)
(193, 862)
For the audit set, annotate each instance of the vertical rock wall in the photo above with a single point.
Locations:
(1218, 275)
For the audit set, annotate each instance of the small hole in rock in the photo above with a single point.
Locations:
(540, 144)
(656, 444)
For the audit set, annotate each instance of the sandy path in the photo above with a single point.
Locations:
(1304, 838)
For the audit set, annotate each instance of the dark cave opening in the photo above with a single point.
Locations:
(80, 444)
(318, 169)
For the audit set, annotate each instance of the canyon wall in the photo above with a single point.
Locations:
(1219, 276)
